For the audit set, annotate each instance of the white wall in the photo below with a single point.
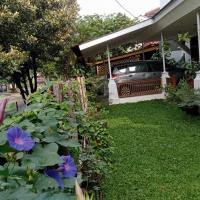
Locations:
(163, 3)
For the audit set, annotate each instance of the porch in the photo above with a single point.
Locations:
(165, 25)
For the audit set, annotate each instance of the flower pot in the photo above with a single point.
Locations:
(192, 110)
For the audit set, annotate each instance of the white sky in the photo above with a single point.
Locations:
(136, 7)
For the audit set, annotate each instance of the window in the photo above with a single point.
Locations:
(155, 67)
(142, 67)
(122, 70)
(132, 69)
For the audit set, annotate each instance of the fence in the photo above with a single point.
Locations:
(139, 88)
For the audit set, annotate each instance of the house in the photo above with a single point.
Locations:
(174, 17)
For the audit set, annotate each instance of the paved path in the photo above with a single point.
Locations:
(13, 98)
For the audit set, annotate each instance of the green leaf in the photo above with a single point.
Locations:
(45, 182)
(35, 106)
(69, 182)
(19, 155)
(69, 143)
(21, 193)
(3, 171)
(3, 138)
(5, 149)
(54, 137)
(43, 156)
(52, 196)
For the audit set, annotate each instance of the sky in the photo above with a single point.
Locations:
(136, 7)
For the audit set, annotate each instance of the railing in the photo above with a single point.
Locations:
(139, 88)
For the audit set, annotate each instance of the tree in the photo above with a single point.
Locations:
(33, 34)
(94, 26)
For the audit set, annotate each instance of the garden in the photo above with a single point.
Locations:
(65, 142)
(51, 148)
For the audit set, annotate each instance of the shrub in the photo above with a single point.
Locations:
(187, 98)
(37, 149)
(96, 152)
(40, 153)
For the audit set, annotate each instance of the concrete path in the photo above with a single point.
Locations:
(13, 98)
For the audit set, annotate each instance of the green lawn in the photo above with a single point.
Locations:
(157, 153)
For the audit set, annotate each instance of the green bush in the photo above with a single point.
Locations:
(23, 173)
(54, 129)
(96, 153)
(184, 96)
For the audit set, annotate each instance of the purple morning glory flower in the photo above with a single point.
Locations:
(19, 139)
(55, 175)
(68, 168)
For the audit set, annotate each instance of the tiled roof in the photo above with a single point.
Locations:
(151, 13)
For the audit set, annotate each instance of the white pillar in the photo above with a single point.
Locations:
(197, 79)
(112, 87)
(165, 74)
(109, 64)
(198, 32)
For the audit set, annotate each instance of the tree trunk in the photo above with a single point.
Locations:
(34, 65)
(23, 75)
(30, 81)
(16, 79)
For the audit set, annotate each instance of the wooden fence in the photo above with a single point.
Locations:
(139, 88)
(59, 92)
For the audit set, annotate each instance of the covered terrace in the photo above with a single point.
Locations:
(178, 16)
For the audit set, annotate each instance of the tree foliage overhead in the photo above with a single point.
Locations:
(93, 26)
(34, 33)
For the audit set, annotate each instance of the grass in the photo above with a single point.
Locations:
(157, 153)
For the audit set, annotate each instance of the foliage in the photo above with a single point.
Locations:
(158, 55)
(88, 197)
(185, 37)
(93, 26)
(95, 87)
(96, 154)
(185, 97)
(190, 69)
(77, 70)
(170, 93)
(22, 174)
(55, 128)
(157, 152)
(35, 34)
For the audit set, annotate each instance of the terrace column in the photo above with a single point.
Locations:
(143, 55)
(165, 74)
(109, 63)
(197, 79)
(112, 87)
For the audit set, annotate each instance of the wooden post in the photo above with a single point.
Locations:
(58, 92)
(82, 90)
